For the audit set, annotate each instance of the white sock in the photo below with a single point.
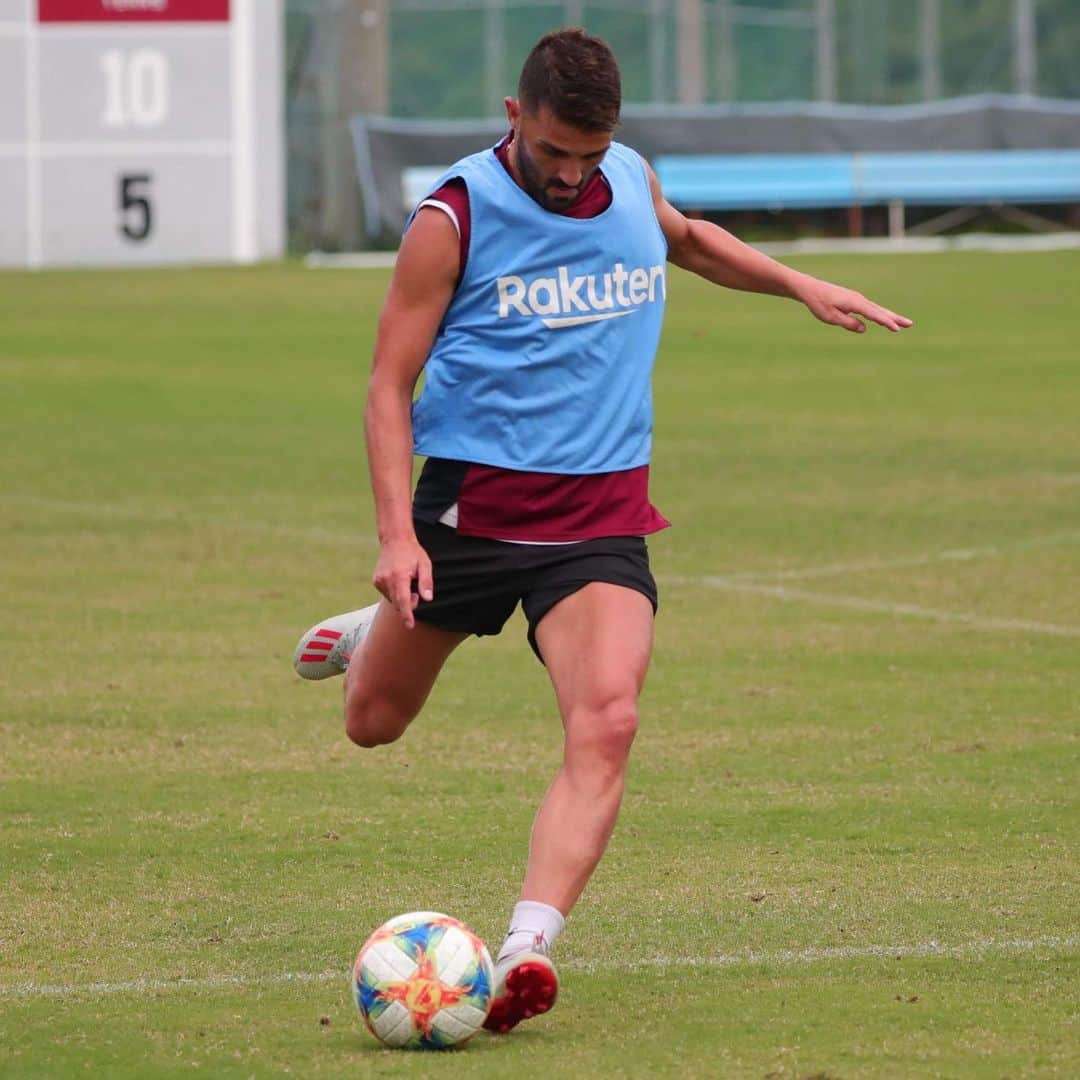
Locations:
(533, 927)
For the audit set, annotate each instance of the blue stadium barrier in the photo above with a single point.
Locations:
(757, 181)
(1017, 176)
(815, 181)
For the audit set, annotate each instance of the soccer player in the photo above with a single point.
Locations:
(530, 289)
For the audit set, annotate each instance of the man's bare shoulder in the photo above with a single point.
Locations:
(429, 249)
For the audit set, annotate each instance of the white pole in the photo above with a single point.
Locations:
(930, 41)
(896, 219)
(495, 88)
(1026, 64)
(691, 48)
(727, 55)
(245, 195)
(328, 85)
(34, 243)
(658, 89)
(826, 50)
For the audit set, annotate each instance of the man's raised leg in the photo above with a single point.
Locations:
(390, 676)
(391, 669)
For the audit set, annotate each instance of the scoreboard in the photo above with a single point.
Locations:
(140, 132)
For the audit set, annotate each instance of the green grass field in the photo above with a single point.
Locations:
(849, 846)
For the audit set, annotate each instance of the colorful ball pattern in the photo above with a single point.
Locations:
(423, 980)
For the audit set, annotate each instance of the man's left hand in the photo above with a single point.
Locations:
(840, 307)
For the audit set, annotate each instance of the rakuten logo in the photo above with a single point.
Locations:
(572, 301)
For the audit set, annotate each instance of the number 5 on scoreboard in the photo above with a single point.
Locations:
(136, 210)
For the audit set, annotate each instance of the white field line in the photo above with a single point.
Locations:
(747, 958)
(350, 260)
(988, 551)
(749, 582)
(922, 245)
(127, 512)
(884, 607)
(910, 245)
(166, 517)
(796, 957)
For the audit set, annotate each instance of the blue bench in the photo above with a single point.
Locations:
(815, 181)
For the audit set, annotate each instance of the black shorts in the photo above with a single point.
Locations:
(479, 582)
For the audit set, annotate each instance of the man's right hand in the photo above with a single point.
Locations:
(403, 575)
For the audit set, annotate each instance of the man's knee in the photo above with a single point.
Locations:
(605, 732)
(371, 722)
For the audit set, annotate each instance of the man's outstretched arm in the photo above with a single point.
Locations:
(423, 284)
(716, 255)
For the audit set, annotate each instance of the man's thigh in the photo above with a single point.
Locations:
(596, 644)
(398, 666)
(614, 561)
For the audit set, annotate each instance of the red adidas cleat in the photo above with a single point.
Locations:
(525, 986)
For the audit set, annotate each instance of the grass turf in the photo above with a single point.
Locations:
(183, 490)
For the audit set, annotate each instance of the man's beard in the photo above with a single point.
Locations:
(554, 199)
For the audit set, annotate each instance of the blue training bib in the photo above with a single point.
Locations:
(543, 362)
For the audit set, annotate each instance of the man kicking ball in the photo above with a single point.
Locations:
(530, 289)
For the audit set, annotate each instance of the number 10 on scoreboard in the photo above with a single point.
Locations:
(136, 88)
(152, 132)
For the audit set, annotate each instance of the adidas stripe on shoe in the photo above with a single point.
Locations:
(325, 649)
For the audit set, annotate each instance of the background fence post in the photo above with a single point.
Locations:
(691, 51)
(1025, 57)
(930, 48)
(826, 50)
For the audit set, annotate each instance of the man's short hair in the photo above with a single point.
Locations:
(576, 76)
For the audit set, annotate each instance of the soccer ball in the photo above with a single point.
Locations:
(423, 980)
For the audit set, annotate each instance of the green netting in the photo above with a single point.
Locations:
(458, 59)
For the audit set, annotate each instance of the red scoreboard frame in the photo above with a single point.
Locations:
(83, 11)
